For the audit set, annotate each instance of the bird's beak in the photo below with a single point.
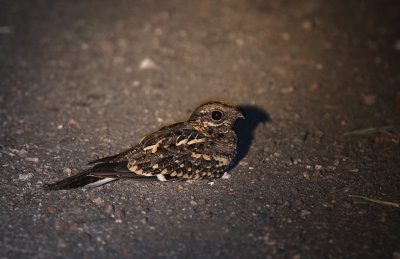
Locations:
(239, 114)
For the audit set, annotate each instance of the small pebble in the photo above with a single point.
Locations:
(318, 167)
(98, 201)
(288, 90)
(144, 221)
(84, 46)
(305, 213)
(336, 162)
(239, 42)
(72, 226)
(298, 141)
(22, 153)
(147, 64)
(73, 122)
(286, 36)
(226, 176)
(136, 83)
(108, 208)
(119, 214)
(32, 159)
(6, 29)
(299, 202)
(397, 45)
(318, 133)
(314, 86)
(306, 25)
(25, 177)
(243, 163)
(316, 175)
(67, 170)
(271, 241)
(50, 210)
(369, 99)
(205, 215)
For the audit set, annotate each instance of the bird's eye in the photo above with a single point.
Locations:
(216, 115)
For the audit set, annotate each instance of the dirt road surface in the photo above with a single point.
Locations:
(318, 168)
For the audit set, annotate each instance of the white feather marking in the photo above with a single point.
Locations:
(161, 178)
(184, 141)
(194, 141)
(100, 182)
(196, 155)
(154, 147)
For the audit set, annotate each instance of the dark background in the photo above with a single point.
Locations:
(82, 79)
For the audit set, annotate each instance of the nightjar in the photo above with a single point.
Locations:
(201, 147)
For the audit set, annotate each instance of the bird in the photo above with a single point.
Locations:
(202, 147)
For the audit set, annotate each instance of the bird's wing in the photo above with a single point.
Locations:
(178, 150)
(114, 158)
(160, 134)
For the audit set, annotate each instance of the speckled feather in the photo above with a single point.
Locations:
(201, 147)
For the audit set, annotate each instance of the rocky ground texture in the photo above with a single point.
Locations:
(319, 155)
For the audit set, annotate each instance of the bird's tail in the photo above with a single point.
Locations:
(72, 182)
(97, 175)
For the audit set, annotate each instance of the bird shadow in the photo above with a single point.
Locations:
(245, 128)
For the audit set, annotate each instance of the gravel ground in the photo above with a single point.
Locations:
(318, 169)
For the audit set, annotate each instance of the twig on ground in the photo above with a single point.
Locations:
(368, 130)
(394, 204)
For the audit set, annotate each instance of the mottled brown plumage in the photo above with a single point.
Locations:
(201, 147)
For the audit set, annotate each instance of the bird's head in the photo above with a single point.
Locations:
(215, 117)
